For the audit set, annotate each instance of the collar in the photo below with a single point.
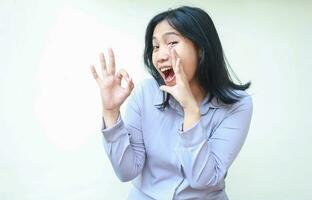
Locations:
(204, 106)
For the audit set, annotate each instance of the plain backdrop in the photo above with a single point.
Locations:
(50, 109)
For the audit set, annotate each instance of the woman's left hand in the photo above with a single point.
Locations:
(181, 91)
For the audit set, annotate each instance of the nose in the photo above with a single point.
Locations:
(163, 54)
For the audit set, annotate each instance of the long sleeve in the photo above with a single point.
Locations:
(123, 142)
(205, 160)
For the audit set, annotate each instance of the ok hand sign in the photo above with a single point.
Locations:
(112, 93)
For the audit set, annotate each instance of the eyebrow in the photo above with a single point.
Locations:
(167, 33)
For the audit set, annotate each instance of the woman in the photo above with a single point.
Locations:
(183, 128)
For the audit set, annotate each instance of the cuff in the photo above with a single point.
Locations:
(193, 135)
(111, 134)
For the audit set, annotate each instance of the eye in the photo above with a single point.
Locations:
(173, 43)
(155, 47)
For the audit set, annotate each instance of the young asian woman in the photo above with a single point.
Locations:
(183, 128)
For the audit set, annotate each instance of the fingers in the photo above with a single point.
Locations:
(130, 86)
(173, 58)
(177, 65)
(111, 63)
(103, 64)
(94, 73)
(122, 73)
(175, 61)
(166, 88)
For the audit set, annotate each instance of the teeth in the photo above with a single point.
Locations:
(165, 69)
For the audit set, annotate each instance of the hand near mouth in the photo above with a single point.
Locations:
(181, 91)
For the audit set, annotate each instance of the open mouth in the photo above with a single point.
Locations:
(168, 74)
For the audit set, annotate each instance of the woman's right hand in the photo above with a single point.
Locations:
(112, 93)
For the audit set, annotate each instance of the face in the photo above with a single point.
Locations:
(166, 38)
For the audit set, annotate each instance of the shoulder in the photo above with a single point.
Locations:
(237, 114)
(245, 98)
(243, 104)
(222, 110)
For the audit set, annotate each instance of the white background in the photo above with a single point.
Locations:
(50, 140)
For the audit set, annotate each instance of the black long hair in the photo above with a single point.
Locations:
(211, 73)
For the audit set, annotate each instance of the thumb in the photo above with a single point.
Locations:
(165, 88)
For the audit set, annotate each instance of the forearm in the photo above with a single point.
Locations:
(206, 152)
(110, 117)
(126, 155)
(199, 165)
(197, 158)
(191, 116)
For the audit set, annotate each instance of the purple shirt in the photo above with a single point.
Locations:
(147, 145)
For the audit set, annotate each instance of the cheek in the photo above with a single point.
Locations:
(189, 73)
(189, 66)
(154, 63)
(154, 60)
